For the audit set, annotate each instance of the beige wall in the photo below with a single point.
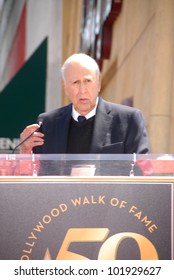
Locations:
(141, 65)
(143, 51)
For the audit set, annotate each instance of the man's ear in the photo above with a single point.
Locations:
(63, 83)
(64, 87)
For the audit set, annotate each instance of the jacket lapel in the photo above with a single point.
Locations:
(102, 124)
(62, 129)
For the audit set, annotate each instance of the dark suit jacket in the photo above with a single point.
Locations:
(118, 129)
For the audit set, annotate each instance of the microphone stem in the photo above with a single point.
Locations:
(25, 139)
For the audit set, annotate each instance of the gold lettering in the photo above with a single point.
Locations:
(152, 228)
(132, 209)
(146, 221)
(63, 207)
(76, 201)
(80, 235)
(109, 249)
(101, 199)
(55, 212)
(30, 244)
(138, 215)
(39, 227)
(85, 200)
(93, 200)
(46, 219)
(32, 236)
(29, 252)
(25, 257)
(123, 204)
(114, 201)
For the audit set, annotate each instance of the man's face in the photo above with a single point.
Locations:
(81, 86)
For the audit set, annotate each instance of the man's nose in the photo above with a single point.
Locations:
(82, 87)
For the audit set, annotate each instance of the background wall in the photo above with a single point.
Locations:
(143, 55)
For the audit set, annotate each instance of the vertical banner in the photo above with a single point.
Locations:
(23, 99)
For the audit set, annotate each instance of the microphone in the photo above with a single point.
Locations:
(26, 138)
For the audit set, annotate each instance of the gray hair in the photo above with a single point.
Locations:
(83, 59)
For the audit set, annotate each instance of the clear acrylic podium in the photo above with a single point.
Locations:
(92, 206)
(86, 165)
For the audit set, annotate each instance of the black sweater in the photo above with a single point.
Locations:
(80, 135)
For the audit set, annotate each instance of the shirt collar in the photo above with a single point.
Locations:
(92, 113)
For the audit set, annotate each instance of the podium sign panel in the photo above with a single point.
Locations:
(86, 218)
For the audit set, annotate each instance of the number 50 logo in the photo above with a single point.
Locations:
(108, 250)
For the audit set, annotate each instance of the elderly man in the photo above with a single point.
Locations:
(102, 127)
